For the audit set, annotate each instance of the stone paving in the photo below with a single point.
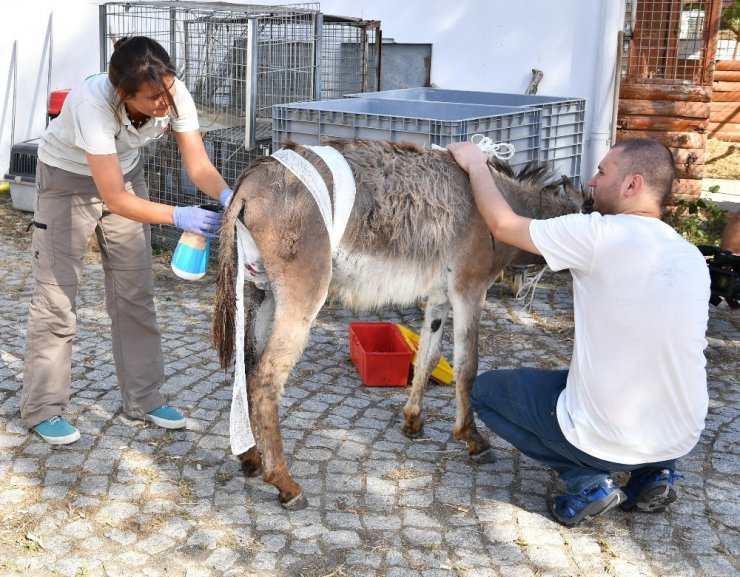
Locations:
(130, 499)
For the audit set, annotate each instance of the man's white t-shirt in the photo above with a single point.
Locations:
(88, 124)
(636, 390)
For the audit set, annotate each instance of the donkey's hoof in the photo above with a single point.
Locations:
(412, 434)
(486, 456)
(297, 503)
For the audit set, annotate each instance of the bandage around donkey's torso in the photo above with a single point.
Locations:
(252, 269)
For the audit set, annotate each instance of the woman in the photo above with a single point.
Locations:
(90, 178)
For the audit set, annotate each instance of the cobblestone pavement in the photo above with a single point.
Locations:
(131, 499)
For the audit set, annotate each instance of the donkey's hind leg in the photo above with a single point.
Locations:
(296, 309)
(467, 308)
(430, 344)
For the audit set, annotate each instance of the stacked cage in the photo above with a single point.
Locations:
(237, 61)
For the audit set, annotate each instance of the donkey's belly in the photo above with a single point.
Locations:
(365, 282)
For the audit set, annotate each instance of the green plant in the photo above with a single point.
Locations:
(699, 221)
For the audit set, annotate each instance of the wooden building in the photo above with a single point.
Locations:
(724, 113)
(666, 86)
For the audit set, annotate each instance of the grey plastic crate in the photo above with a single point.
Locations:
(424, 123)
(561, 118)
(21, 174)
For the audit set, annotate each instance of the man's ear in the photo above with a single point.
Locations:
(635, 184)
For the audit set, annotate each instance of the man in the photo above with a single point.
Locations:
(635, 396)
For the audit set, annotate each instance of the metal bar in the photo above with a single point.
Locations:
(48, 79)
(250, 91)
(318, 33)
(14, 71)
(103, 35)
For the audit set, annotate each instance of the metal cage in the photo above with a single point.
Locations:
(666, 42)
(238, 60)
(350, 49)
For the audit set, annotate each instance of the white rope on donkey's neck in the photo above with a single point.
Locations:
(501, 150)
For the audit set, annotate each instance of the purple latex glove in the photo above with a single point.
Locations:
(197, 220)
(225, 197)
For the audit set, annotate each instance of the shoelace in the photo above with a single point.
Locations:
(55, 420)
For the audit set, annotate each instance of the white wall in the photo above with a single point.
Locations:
(493, 45)
(489, 45)
(74, 49)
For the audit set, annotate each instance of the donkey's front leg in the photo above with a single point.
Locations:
(467, 310)
(435, 316)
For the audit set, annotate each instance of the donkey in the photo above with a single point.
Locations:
(414, 232)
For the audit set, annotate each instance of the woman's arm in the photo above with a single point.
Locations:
(106, 172)
(199, 167)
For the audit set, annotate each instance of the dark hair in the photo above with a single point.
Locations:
(653, 161)
(137, 60)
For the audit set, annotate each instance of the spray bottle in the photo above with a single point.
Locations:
(190, 259)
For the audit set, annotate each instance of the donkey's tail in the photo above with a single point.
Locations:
(224, 311)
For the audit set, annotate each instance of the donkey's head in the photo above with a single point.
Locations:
(533, 193)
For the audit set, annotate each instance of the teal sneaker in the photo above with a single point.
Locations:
(167, 417)
(57, 431)
(572, 509)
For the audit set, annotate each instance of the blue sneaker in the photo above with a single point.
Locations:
(167, 417)
(57, 431)
(572, 509)
(650, 491)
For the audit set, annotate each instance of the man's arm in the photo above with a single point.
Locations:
(504, 223)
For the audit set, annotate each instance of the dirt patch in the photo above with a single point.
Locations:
(722, 159)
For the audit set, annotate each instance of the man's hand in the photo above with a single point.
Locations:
(467, 155)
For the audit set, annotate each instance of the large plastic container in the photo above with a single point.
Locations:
(21, 174)
(425, 123)
(380, 354)
(561, 118)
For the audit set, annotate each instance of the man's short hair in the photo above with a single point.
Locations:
(653, 161)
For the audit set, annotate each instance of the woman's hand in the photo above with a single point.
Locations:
(197, 220)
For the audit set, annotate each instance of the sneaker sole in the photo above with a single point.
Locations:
(66, 440)
(652, 499)
(656, 499)
(166, 423)
(594, 509)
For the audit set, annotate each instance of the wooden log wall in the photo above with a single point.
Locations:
(724, 116)
(677, 116)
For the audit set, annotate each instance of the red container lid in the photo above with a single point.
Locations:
(56, 99)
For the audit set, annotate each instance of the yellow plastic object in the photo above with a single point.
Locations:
(443, 371)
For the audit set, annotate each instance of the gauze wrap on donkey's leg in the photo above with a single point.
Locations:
(250, 265)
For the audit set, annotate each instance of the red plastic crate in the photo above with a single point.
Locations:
(380, 353)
